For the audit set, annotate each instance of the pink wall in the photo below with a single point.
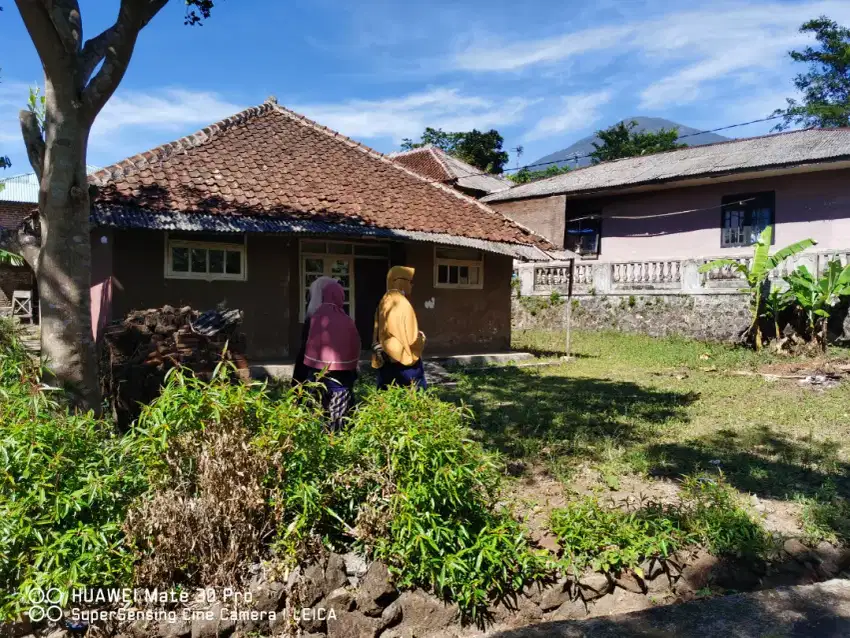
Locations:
(101, 280)
(815, 205)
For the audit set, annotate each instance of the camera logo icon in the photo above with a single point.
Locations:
(45, 604)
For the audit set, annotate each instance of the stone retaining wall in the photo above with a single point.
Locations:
(342, 596)
(707, 317)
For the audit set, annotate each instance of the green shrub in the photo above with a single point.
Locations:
(65, 483)
(826, 516)
(613, 539)
(431, 504)
(716, 519)
(233, 467)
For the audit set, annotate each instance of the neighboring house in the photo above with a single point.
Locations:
(703, 201)
(435, 164)
(250, 210)
(18, 200)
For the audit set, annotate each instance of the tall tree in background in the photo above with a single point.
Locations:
(622, 141)
(481, 150)
(79, 77)
(524, 176)
(826, 85)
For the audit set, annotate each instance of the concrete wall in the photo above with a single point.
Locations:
(815, 205)
(543, 215)
(460, 321)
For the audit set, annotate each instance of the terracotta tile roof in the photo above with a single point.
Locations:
(13, 213)
(426, 162)
(434, 163)
(270, 161)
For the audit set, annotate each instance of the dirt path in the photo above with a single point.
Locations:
(809, 611)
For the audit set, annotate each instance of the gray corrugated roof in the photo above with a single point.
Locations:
(127, 218)
(751, 154)
(24, 188)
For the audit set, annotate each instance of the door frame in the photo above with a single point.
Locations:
(351, 256)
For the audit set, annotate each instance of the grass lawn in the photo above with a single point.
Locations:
(634, 406)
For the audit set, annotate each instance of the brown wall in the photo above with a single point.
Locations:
(265, 298)
(543, 215)
(11, 279)
(462, 321)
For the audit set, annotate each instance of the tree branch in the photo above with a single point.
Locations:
(44, 36)
(115, 47)
(66, 19)
(34, 141)
(21, 243)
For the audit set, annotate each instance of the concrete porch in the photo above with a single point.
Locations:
(284, 369)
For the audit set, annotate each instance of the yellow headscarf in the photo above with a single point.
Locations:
(396, 327)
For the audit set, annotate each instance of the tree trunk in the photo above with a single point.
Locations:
(64, 265)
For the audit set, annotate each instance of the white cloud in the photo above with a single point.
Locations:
(578, 112)
(172, 110)
(684, 54)
(408, 116)
(511, 57)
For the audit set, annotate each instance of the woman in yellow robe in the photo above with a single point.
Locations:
(397, 340)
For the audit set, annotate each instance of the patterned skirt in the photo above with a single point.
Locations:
(335, 393)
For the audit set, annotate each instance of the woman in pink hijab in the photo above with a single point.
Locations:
(332, 353)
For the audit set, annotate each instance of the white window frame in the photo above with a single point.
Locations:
(242, 249)
(304, 256)
(440, 261)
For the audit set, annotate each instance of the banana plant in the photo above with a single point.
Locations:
(758, 272)
(817, 296)
(10, 259)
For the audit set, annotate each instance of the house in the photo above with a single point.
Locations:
(644, 227)
(250, 210)
(434, 163)
(701, 201)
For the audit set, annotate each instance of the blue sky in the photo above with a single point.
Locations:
(543, 73)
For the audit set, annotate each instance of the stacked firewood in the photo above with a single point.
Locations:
(140, 349)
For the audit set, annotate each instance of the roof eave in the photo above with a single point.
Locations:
(121, 217)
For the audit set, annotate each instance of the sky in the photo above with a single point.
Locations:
(544, 74)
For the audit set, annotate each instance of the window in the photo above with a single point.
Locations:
(458, 267)
(584, 235)
(744, 217)
(204, 260)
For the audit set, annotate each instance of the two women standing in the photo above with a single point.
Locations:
(330, 343)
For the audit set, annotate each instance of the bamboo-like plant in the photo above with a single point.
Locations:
(817, 296)
(756, 274)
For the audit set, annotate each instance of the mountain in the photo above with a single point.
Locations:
(585, 145)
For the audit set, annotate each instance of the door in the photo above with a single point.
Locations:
(336, 266)
(370, 281)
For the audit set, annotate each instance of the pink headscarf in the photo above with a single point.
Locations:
(333, 341)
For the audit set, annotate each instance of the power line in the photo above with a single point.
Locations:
(578, 157)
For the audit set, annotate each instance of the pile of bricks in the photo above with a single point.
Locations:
(140, 349)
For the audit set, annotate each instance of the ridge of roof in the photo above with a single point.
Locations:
(439, 156)
(380, 156)
(509, 193)
(134, 163)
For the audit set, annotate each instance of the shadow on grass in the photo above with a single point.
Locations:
(522, 413)
(760, 461)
